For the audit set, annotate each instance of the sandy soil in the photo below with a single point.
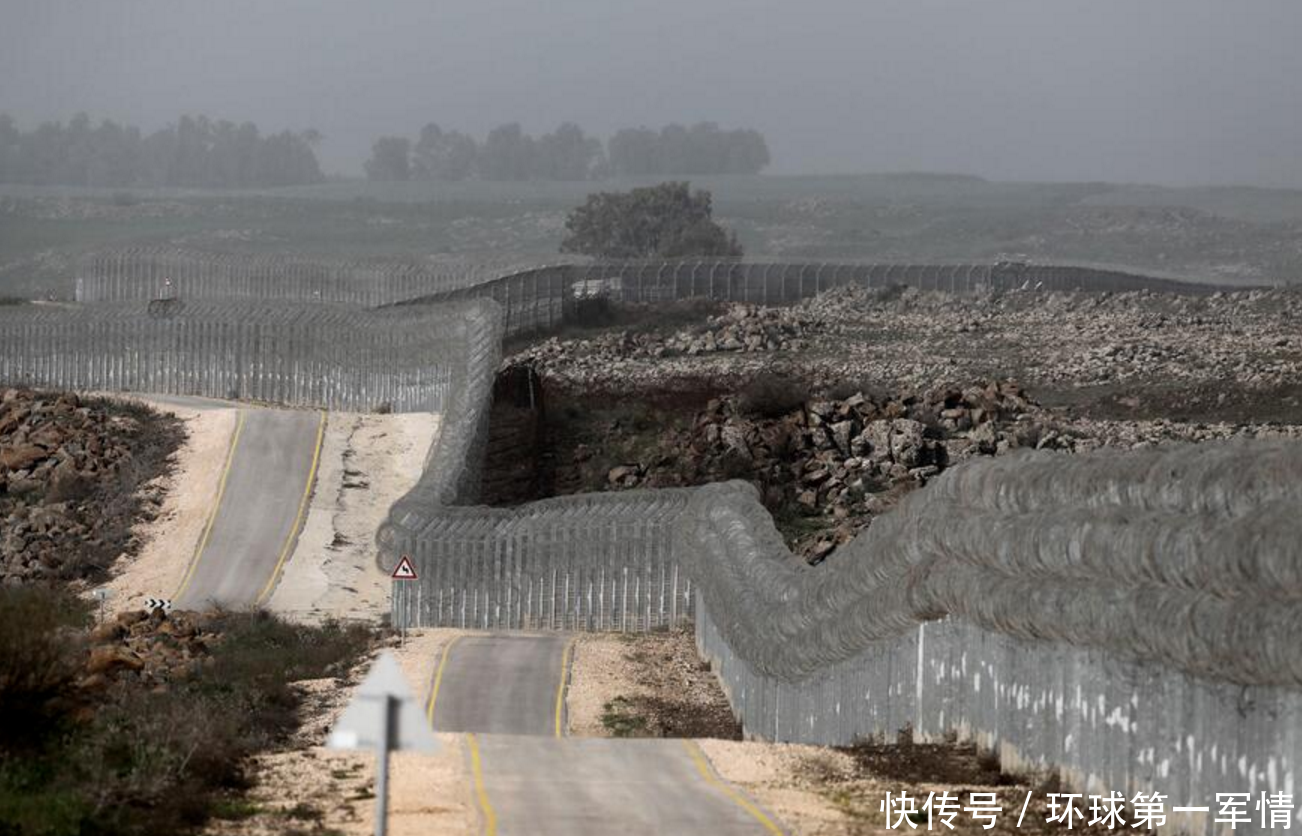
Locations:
(169, 541)
(598, 673)
(367, 463)
(645, 685)
(307, 788)
(791, 782)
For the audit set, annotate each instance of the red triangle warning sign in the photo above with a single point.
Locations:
(404, 571)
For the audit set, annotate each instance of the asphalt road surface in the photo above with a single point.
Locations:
(258, 510)
(508, 692)
(506, 684)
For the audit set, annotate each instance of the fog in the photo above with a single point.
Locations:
(1164, 91)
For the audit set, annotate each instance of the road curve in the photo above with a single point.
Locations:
(258, 509)
(508, 691)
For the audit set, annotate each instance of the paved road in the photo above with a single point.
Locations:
(594, 787)
(507, 690)
(258, 509)
(507, 684)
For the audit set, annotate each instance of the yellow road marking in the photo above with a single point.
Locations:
(560, 689)
(212, 516)
(477, 768)
(703, 766)
(438, 679)
(302, 511)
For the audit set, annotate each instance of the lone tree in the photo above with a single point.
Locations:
(664, 221)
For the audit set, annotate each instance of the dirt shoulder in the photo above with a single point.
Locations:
(645, 685)
(367, 463)
(302, 787)
(822, 791)
(188, 491)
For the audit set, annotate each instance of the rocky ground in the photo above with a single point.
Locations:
(838, 406)
(903, 338)
(74, 476)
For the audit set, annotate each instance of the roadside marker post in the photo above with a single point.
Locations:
(102, 594)
(382, 716)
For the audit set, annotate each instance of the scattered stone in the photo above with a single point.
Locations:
(157, 648)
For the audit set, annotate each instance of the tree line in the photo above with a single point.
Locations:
(195, 152)
(508, 153)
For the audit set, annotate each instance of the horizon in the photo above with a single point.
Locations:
(1021, 92)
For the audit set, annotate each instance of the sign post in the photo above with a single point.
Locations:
(102, 594)
(382, 716)
(404, 571)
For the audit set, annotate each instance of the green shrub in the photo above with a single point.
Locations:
(149, 762)
(40, 657)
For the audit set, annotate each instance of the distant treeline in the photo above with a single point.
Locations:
(508, 153)
(195, 152)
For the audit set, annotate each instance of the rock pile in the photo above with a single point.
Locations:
(69, 476)
(742, 329)
(150, 649)
(745, 328)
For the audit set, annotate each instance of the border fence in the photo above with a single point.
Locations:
(542, 297)
(324, 356)
(1129, 619)
(148, 273)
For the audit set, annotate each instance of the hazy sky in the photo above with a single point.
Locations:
(1169, 91)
